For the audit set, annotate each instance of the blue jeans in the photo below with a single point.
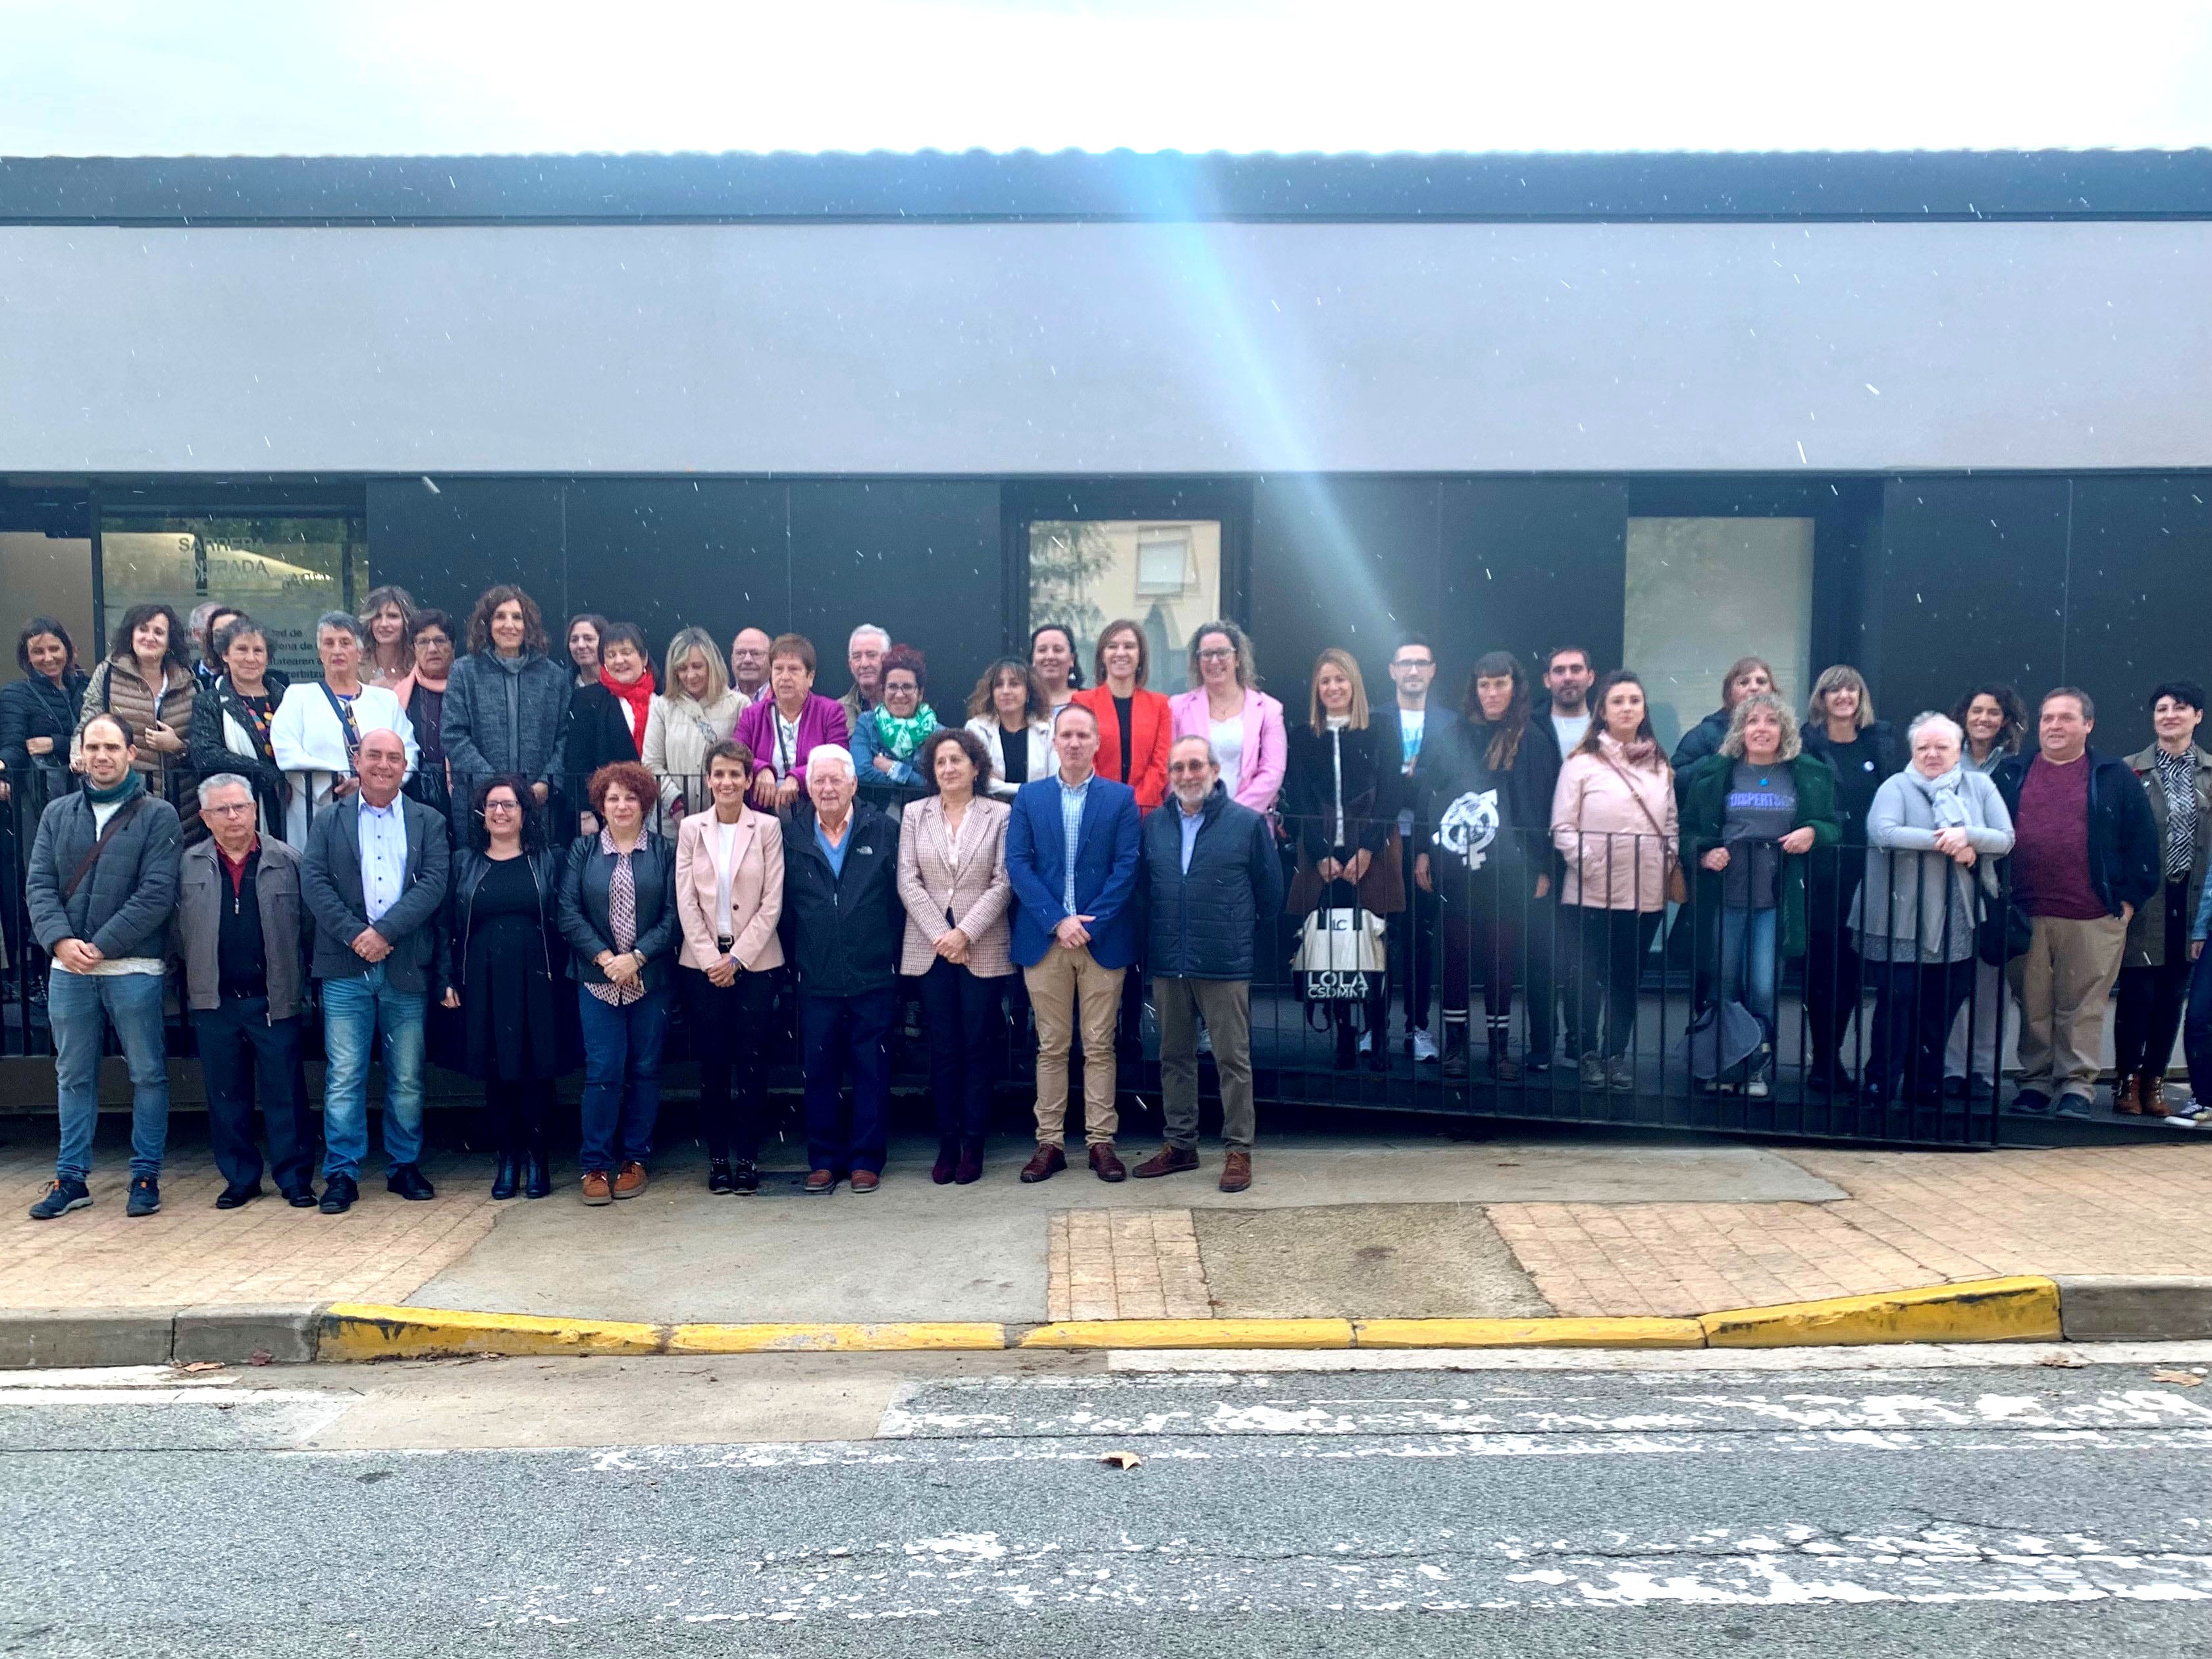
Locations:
(78, 1004)
(621, 1046)
(1747, 964)
(355, 1010)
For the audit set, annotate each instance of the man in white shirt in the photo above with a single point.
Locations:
(1568, 677)
(1412, 671)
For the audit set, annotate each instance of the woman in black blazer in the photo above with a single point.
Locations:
(1341, 785)
(606, 719)
(618, 915)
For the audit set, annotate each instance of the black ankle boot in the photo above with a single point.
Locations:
(506, 1178)
(1455, 1062)
(719, 1176)
(1347, 1048)
(536, 1176)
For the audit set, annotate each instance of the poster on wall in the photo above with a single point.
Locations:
(283, 573)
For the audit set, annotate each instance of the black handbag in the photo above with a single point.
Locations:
(2003, 932)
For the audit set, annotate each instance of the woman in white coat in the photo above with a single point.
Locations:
(1007, 711)
(318, 725)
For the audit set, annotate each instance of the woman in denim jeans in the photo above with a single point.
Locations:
(618, 915)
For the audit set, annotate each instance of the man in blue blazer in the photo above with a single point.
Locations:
(1072, 850)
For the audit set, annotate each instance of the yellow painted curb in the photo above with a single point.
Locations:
(356, 1330)
(1619, 1333)
(1191, 1334)
(2019, 1309)
(835, 1339)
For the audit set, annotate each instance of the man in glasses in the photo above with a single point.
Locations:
(1413, 671)
(239, 919)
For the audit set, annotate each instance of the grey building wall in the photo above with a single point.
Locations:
(1099, 347)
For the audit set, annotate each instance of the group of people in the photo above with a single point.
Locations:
(464, 817)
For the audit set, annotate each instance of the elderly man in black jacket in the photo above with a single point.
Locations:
(1211, 877)
(374, 880)
(844, 924)
(101, 886)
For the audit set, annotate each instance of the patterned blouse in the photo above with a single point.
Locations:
(621, 923)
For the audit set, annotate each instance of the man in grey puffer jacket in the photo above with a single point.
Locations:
(101, 908)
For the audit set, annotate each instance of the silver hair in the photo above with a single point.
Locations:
(341, 621)
(832, 754)
(1211, 759)
(1930, 717)
(1770, 702)
(223, 780)
(853, 638)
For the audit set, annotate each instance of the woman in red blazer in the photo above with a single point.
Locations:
(1135, 727)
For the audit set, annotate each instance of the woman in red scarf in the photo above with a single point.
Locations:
(606, 719)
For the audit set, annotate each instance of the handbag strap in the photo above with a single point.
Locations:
(1640, 807)
(123, 814)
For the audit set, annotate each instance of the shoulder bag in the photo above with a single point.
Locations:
(1678, 887)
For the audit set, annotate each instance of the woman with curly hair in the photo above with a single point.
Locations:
(506, 707)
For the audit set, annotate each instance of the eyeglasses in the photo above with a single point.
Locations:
(227, 810)
(1220, 654)
(491, 806)
(1414, 662)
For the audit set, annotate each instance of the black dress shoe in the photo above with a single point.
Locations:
(338, 1194)
(536, 1176)
(506, 1177)
(300, 1198)
(233, 1198)
(407, 1181)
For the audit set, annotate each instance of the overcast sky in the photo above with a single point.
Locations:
(433, 77)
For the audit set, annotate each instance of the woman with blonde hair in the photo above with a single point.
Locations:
(1226, 706)
(387, 636)
(694, 710)
(1341, 807)
(1841, 728)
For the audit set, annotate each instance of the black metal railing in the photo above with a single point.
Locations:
(1559, 986)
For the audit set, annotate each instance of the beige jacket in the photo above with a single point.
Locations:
(1603, 817)
(978, 897)
(679, 733)
(756, 892)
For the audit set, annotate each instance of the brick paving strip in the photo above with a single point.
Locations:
(1909, 1218)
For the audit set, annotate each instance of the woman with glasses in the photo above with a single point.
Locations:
(232, 719)
(1226, 706)
(503, 941)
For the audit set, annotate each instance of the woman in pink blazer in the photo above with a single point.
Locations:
(953, 880)
(729, 897)
(1225, 705)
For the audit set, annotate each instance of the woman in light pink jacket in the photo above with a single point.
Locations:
(1613, 821)
(1225, 705)
(729, 898)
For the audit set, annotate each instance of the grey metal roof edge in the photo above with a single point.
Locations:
(1116, 185)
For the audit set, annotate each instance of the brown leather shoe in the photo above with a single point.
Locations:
(2127, 1096)
(1168, 1160)
(597, 1188)
(1105, 1165)
(866, 1180)
(1236, 1171)
(2150, 1094)
(1049, 1162)
(821, 1182)
(629, 1180)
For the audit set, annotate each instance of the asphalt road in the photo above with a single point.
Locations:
(2026, 1509)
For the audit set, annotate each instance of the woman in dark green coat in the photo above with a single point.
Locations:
(1750, 814)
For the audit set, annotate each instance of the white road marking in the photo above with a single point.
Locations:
(1897, 1357)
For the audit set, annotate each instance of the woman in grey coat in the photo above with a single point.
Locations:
(507, 704)
(1931, 834)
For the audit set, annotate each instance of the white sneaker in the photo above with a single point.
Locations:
(1367, 1042)
(1424, 1047)
(1204, 1041)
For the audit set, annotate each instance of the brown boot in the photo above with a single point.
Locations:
(1105, 1165)
(1049, 1162)
(2127, 1096)
(1236, 1171)
(2150, 1095)
(1168, 1160)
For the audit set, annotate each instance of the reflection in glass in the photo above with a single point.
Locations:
(284, 571)
(1166, 574)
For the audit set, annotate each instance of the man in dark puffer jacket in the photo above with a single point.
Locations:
(1211, 877)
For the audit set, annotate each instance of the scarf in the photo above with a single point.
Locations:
(1640, 752)
(637, 697)
(901, 737)
(622, 920)
(2176, 776)
(134, 783)
(1947, 803)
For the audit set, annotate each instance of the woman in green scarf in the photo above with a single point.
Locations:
(889, 736)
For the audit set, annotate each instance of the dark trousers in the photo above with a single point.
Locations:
(1604, 952)
(729, 1031)
(519, 1110)
(1834, 979)
(835, 1034)
(2151, 998)
(622, 1077)
(1915, 1004)
(966, 1019)
(1414, 949)
(244, 1053)
(2196, 1028)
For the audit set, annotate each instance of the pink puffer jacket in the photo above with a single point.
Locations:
(1603, 814)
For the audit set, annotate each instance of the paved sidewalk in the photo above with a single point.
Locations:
(1350, 1225)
